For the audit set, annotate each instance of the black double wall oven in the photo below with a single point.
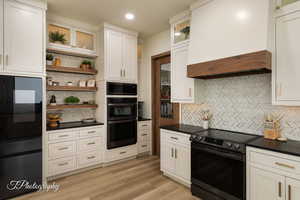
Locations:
(121, 115)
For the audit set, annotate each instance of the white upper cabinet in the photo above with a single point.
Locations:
(225, 28)
(182, 87)
(286, 70)
(24, 50)
(130, 58)
(114, 55)
(120, 55)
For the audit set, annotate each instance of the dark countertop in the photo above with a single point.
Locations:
(183, 128)
(141, 119)
(290, 147)
(68, 125)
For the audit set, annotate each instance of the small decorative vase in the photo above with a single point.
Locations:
(50, 62)
(205, 124)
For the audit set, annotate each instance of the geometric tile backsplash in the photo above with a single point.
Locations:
(240, 104)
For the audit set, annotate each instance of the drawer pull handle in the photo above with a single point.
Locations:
(63, 164)
(63, 136)
(90, 132)
(145, 125)
(290, 192)
(91, 143)
(144, 145)
(123, 152)
(91, 157)
(144, 134)
(175, 153)
(172, 153)
(63, 148)
(174, 138)
(285, 165)
(279, 189)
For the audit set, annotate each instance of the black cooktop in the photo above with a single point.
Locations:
(237, 137)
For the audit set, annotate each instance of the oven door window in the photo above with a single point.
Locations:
(121, 133)
(222, 173)
(117, 112)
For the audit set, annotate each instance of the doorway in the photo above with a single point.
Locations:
(164, 112)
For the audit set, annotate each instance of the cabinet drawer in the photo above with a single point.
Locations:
(121, 153)
(275, 162)
(89, 144)
(90, 158)
(144, 126)
(91, 132)
(177, 138)
(61, 165)
(62, 149)
(62, 136)
(144, 146)
(143, 135)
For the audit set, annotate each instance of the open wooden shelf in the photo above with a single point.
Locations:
(65, 106)
(70, 70)
(70, 53)
(72, 88)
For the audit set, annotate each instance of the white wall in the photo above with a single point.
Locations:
(153, 45)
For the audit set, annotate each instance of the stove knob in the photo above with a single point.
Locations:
(199, 138)
(237, 146)
(229, 144)
(193, 138)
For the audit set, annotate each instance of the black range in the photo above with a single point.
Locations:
(218, 164)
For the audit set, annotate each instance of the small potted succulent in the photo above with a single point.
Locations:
(49, 59)
(57, 37)
(86, 65)
(206, 115)
(72, 100)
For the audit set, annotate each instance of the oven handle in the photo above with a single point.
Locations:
(121, 121)
(121, 104)
(218, 151)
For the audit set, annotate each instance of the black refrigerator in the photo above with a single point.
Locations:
(21, 116)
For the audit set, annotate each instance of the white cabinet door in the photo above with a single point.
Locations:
(114, 55)
(287, 70)
(23, 38)
(170, 162)
(293, 189)
(182, 87)
(183, 162)
(130, 58)
(265, 185)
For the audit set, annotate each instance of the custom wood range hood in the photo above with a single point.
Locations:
(246, 64)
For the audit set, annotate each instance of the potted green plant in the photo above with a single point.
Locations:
(49, 59)
(57, 37)
(72, 100)
(86, 65)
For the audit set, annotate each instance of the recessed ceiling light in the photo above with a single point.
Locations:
(129, 16)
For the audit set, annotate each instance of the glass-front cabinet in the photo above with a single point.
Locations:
(180, 31)
(66, 38)
(286, 2)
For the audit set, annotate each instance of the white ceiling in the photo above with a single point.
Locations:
(152, 16)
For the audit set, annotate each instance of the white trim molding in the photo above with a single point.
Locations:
(199, 3)
(122, 30)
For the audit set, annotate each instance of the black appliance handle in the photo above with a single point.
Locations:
(218, 151)
(122, 104)
(121, 121)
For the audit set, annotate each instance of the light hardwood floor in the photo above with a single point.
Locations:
(138, 179)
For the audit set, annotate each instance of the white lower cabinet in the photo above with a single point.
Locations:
(73, 149)
(176, 156)
(272, 176)
(144, 137)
